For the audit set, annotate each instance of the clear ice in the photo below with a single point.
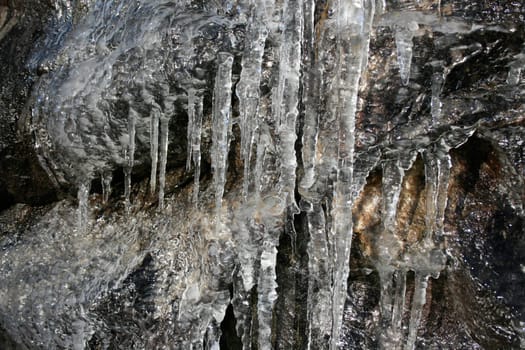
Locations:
(222, 125)
(296, 71)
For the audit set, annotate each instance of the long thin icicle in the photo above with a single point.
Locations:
(167, 113)
(248, 87)
(130, 157)
(309, 100)
(164, 130)
(196, 148)
(154, 146)
(191, 127)
(221, 115)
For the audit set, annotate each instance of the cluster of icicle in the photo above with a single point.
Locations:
(330, 182)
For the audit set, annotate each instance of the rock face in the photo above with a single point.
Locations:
(260, 174)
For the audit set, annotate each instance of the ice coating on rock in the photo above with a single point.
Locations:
(221, 126)
(115, 104)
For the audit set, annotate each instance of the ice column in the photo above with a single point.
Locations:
(248, 87)
(221, 115)
(404, 35)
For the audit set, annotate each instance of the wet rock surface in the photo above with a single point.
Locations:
(100, 100)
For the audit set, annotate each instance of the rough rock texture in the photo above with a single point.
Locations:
(121, 269)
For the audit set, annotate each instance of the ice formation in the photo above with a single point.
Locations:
(296, 73)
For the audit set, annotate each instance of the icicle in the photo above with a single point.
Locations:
(154, 146)
(105, 179)
(194, 140)
(398, 309)
(129, 157)
(437, 173)
(196, 148)
(388, 249)
(404, 44)
(127, 188)
(419, 300)
(319, 268)
(191, 127)
(334, 147)
(353, 18)
(221, 126)
(266, 290)
(164, 130)
(262, 144)
(248, 87)
(285, 98)
(436, 88)
(83, 205)
(310, 101)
